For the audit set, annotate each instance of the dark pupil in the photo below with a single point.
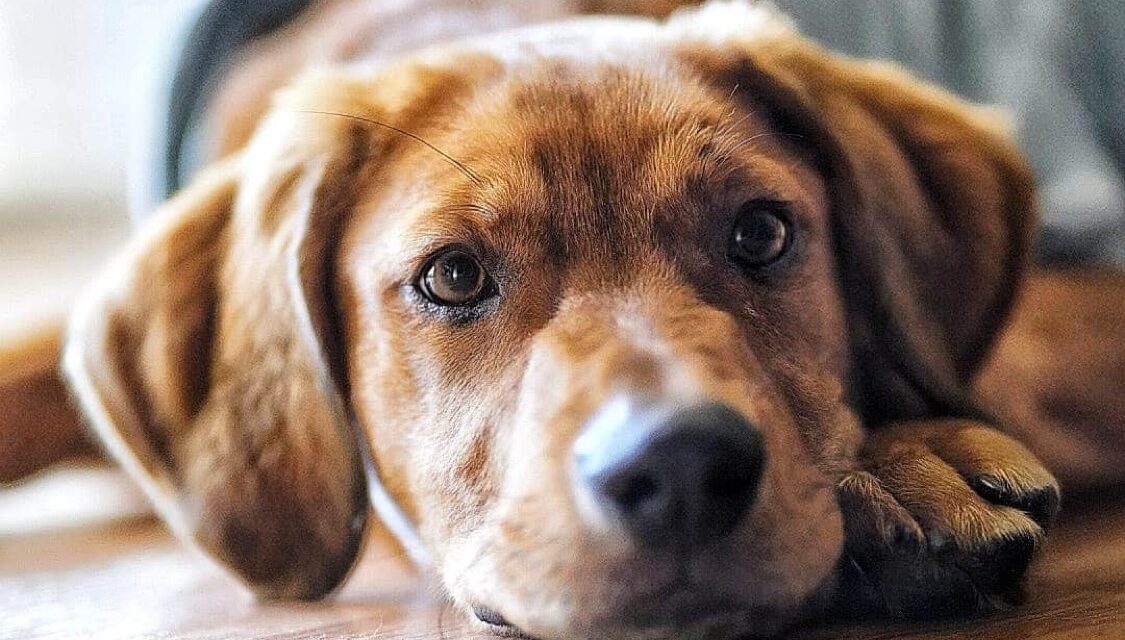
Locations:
(759, 237)
(459, 274)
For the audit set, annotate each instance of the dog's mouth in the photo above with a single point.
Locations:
(680, 609)
(685, 605)
(495, 620)
(674, 535)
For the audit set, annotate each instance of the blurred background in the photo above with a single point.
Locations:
(77, 79)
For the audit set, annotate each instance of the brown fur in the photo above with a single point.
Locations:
(39, 426)
(222, 356)
(1056, 375)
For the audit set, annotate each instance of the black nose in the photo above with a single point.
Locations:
(674, 477)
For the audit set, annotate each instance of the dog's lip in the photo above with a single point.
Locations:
(682, 603)
(678, 611)
(498, 623)
(686, 602)
(680, 606)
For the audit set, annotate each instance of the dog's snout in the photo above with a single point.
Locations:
(673, 477)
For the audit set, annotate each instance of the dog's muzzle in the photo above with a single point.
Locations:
(671, 476)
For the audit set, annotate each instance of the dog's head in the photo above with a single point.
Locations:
(608, 303)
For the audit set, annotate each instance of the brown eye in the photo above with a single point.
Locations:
(761, 235)
(454, 279)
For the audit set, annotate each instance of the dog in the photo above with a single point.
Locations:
(628, 326)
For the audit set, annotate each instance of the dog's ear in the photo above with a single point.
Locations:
(199, 356)
(933, 206)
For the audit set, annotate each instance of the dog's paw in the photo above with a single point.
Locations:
(942, 518)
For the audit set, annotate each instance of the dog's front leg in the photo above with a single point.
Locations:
(942, 517)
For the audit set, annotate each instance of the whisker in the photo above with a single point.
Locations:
(724, 123)
(719, 123)
(722, 118)
(775, 133)
(733, 126)
(460, 166)
(742, 144)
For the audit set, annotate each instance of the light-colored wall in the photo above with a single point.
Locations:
(74, 76)
(75, 79)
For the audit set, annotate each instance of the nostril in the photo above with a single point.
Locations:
(672, 476)
(638, 492)
(728, 482)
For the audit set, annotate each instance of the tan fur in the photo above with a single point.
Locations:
(39, 426)
(224, 353)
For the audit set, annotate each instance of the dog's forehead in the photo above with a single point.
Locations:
(575, 151)
(587, 137)
(590, 138)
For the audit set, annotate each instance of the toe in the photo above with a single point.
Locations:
(1040, 503)
(875, 522)
(1008, 560)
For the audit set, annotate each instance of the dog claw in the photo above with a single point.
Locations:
(1008, 561)
(1040, 504)
(960, 511)
(991, 488)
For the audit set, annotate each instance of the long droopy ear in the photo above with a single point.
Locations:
(933, 206)
(200, 358)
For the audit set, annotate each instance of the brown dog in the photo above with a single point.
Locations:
(651, 329)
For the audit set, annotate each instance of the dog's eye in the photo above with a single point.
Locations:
(453, 279)
(761, 235)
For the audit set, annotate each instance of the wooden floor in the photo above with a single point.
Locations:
(132, 580)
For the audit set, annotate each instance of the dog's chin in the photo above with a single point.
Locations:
(678, 611)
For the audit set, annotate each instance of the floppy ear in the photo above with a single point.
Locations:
(199, 358)
(933, 210)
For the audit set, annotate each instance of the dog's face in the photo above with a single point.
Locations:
(607, 321)
(602, 284)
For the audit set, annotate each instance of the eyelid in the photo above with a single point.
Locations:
(423, 256)
(451, 226)
(768, 202)
(787, 210)
(783, 209)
